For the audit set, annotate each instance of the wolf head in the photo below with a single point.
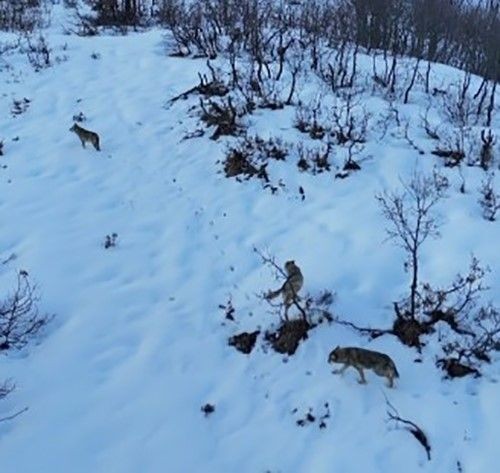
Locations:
(289, 265)
(73, 128)
(333, 356)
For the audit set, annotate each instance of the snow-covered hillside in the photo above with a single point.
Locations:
(139, 340)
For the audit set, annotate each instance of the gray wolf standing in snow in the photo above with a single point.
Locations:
(291, 287)
(86, 135)
(360, 358)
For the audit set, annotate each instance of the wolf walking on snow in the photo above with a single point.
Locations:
(361, 358)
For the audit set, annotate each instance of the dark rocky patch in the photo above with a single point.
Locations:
(244, 342)
(287, 338)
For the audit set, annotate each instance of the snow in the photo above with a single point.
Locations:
(139, 342)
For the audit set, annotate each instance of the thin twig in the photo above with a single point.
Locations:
(410, 426)
(13, 416)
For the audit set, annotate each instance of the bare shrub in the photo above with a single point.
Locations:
(458, 105)
(410, 215)
(350, 120)
(338, 68)
(250, 157)
(453, 148)
(6, 388)
(20, 319)
(465, 353)
(309, 119)
(195, 27)
(38, 52)
(117, 13)
(314, 160)
(223, 115)
(110, 241)
(468, 38)
(468, 331)
(489, 199)
(20, 106)
(23, 15)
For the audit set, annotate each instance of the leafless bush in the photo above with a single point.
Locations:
(23, 15)
(20, 106)
(489, 199)
(310, 120)
(6, 388)
(38, 52)
(223, 115)
(463, 354)
(314, 160)
(110, 241)
(457, 33)
(458, 105)
(431, 130)
(453, 148)
(349, 120)
(468, 331)
(20, 319)
(251, 156)
(113, 13)
(410, 215)
(338, 68)
(213, 86)
(195, 26)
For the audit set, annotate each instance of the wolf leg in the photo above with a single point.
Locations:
(390, 378)
(341, 370)
(361, 374)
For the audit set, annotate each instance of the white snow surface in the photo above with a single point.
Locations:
(139, 342)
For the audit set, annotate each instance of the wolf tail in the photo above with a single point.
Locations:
(273, 294)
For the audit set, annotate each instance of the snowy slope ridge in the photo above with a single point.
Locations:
(139, 342)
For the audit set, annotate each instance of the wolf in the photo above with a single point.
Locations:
(360, 358)
(291, 287)
(86, 135)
